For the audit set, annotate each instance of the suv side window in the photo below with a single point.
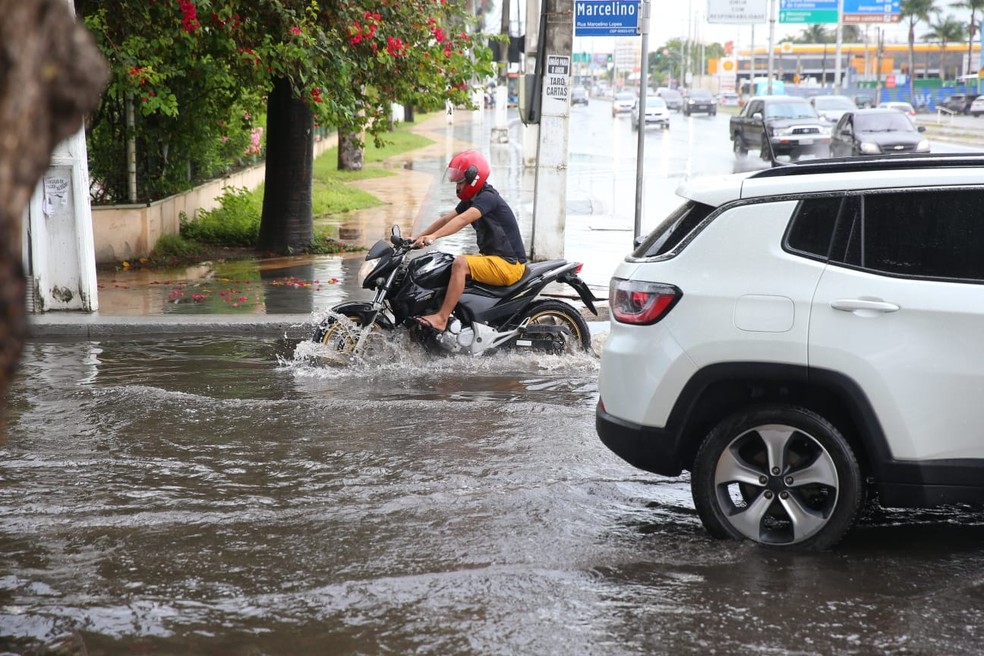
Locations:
(673, 229)
(812, 227)
(933, 234)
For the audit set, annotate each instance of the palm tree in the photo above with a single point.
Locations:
(944, 30)
(815, 33)
(914, 11)
(972, 28)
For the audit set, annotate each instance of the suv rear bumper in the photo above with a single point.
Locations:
(652, 449)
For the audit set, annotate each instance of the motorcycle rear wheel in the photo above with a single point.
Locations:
(341, 336)
(557, 313)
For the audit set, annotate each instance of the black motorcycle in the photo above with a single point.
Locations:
(487, 317)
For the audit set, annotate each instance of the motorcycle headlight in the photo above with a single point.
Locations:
(367, 268)
(869, 148)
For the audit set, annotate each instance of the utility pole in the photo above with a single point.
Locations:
(644, 7)
(837, 63)
(772, 43)
(500, 132)
(550, 188)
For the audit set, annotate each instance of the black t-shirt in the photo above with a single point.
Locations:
(497, 229)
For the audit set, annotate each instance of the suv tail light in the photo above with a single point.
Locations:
(641, 303)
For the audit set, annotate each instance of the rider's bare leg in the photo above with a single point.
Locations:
(456, 286)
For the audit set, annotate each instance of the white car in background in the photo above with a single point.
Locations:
(903, 107)
(657, 113)
(623, 102)
(976, 107)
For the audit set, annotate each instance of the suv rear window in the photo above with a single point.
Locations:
(674, 228)
(812, 227)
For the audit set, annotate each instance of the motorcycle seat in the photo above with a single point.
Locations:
(532, 269)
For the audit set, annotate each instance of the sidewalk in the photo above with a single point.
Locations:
(285, 296)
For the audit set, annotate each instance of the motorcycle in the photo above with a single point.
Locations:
(486, 317)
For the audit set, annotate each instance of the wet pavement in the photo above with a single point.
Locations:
(209, 495)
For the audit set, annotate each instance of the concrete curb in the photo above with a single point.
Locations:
(95, 327)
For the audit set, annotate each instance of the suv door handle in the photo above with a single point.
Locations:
(855, 304)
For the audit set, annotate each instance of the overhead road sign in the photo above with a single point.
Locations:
(872, 11)
(740, 12)
(606, 18)
(808, 11)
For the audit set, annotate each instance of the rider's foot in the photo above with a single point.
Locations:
(433, 321)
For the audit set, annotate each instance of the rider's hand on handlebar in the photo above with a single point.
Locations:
(422, 241)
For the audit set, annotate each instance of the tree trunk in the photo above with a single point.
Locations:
(351, 156)
(287, 224)
(51, 73)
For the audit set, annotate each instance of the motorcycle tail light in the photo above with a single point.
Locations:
(577, 271)
(641, 303)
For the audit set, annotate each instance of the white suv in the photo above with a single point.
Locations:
(803, 338)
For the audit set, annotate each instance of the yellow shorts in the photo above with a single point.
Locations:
(494, 270)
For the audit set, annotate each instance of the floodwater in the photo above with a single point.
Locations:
(213, 496)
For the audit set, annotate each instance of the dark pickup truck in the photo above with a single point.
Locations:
(791, 123)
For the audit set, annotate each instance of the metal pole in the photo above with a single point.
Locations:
(837, 63)
(643, 85)
(772, 42)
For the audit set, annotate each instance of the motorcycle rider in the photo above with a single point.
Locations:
(502, 258)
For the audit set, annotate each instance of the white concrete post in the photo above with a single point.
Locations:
(61, 257)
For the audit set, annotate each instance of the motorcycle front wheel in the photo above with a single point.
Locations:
(555, 313)
(341, 333)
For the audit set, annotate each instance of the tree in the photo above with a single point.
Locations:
(54, 79)
(972, 28)
(913, 11)
(194, 69)
(944, 30)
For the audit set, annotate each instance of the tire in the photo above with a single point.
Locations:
(341, 334)
(748, 479)
(557, 313)
(741, 152)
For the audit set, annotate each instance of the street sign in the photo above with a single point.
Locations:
(808, 11)
(606, 18)
(872, 11)
(741, 12)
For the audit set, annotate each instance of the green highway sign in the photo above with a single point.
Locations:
(808, 16)
(808, 11)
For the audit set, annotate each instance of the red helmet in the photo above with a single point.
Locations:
(471, 168)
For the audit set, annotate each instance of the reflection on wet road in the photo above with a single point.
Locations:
(224, 497)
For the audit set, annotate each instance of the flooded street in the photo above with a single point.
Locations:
(210, 496)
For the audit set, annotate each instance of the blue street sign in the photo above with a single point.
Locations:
(606, 18)
(872, 11)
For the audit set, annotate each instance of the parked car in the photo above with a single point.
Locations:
(699, 101)
(831, 108)
(959, 103)
(903, 107)
(864, 100)
(802, 339)
(579, 96)
(976, 107)
(727, 99)
(876, 132)
(673, 98)
(657, 113)
(777, 126)
(623, 102)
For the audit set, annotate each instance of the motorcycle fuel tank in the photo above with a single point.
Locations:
(432, 270)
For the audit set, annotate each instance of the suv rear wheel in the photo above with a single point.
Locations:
(778, 475)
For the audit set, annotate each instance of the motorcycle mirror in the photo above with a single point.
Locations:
(395, 235)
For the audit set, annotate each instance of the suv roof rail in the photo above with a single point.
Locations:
(892, 162)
